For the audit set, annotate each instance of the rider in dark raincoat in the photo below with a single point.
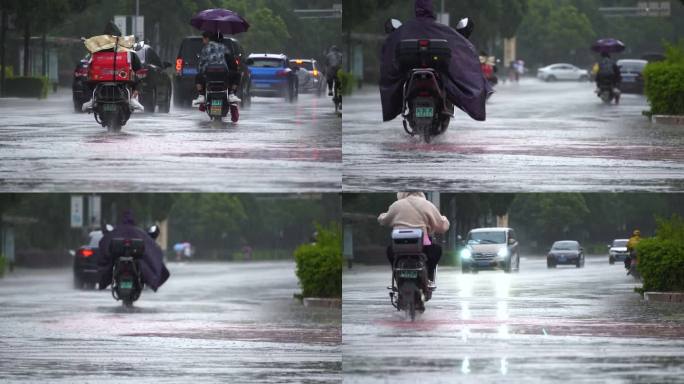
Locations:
(154, 271)
(465, 84)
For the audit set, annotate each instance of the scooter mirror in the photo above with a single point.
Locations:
(153, 231)
(392, 25)
(465, 27)
(107, 228)
(72, 252)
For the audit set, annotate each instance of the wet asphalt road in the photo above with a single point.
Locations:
(537, 137)
(229, 323)
(275, 147)
(538, 326)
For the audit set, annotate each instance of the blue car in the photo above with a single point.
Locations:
(272, 76)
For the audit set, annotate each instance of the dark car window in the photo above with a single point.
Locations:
(190, 49)
(152, 57)
(265, 62)
(619, 243)
(308, 65)
(565, 246)
(632, 67)
(494, 237)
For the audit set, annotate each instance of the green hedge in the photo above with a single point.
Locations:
(348, 82)
(664, 87)
(27, 87)
(319, 265)
(3, 262)
(664, 82)
(661, 258)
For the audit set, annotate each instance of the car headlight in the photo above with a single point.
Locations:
(503, 252)
(466, 254)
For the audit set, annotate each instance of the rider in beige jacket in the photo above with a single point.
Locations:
(413, 210)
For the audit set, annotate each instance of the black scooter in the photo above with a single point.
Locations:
(426, 111)
(127, 279)
(409, 290)
(216, 103)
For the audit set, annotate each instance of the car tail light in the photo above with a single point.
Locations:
(142, 73)
(315, 72)
(179, 65)
(282, 73)
(87, 252)
(81, 72)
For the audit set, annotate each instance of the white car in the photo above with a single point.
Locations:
(618, 250)
(556, 72)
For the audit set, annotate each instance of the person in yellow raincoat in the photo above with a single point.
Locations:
(631, 247)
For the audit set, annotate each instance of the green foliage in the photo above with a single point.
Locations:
(267, 33)
(347, 80)
(661, 258)
(550, 33)
(664, 83)
(27, 87)
(547, 217)
(319, 265)
(3, 263)
(9, 71)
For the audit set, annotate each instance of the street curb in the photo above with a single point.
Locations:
(317, 302)
(665, 297)
(669, 119)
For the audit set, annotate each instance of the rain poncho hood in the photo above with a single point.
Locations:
(152, 264)
(424, 9)
(465, 84)
(105, 42)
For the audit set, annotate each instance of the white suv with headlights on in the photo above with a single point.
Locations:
(490, 248)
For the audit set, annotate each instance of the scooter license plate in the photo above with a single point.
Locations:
(109, 107)
(126, 284)
(424, 112)
(216, 108)
(408, 274)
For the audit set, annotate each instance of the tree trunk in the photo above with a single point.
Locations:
(44, 56)
(3, 30)
(27, 42)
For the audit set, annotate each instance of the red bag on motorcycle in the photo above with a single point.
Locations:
(102, 66)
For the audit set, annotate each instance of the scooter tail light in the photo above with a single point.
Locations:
(142, 73)
(87, 252)
(423, 43)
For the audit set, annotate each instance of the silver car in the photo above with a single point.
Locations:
(311, 79)
(490, 248)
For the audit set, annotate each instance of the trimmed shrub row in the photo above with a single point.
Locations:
(664, 82)
(664, 87)
(661, 258)
(27, 87)
(319, 265)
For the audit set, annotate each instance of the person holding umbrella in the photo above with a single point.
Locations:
(608, 70)
(214, 23)
(213, 53)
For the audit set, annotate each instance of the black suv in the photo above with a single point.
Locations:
(85, 262)
(155, 82)
(186, 69)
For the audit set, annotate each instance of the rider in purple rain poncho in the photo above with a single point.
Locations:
(465, 84)
(154, 271)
